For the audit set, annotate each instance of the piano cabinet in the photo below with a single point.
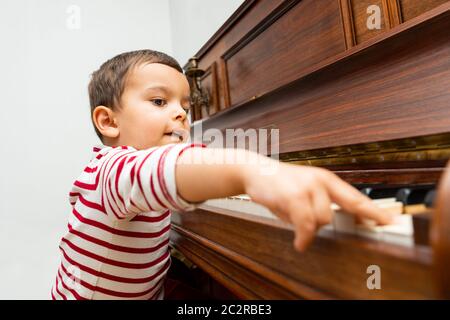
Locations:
(267, 44)
(372, 105)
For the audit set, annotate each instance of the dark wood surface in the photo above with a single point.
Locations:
(360, 16)
(306, 32)
(392, 176)
(410, 9)
(248, 15)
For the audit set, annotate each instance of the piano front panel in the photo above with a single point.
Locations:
(251, 254)
(360, 18)
(282, 47)
(289, 37)
(410, 9)
(209, 83)
(386, 91)
(246, 17)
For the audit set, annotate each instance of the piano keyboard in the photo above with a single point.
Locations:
(401, 232)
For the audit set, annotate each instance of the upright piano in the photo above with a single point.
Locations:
(360, 87)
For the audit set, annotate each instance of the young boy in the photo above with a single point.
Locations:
(116, 246)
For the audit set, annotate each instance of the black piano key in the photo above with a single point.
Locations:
(409, 196)
(429, 198)
(380, 193)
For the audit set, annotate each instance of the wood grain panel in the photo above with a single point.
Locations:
(248, 15)
(360, 16)
(403, 176)
(348, 26)
(412, 8)
(395, 15)
(306, 34)
(209, 83)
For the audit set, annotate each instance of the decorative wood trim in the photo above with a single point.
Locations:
(260, 27)
(386, 14)
(225, 84)
(214, 94)
(243, 8)
(395, 14)
(348, 27)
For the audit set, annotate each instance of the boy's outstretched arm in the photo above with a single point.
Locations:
(297, 194)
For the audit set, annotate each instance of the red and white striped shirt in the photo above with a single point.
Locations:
(116, 246)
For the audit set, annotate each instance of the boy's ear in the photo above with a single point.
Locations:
(105, 120)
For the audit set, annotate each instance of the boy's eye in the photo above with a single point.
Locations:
(158, 102)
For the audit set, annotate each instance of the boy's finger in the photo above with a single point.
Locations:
(322, 206)
(302, 218)
(351, 200)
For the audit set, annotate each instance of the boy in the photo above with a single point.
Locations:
(116, 246)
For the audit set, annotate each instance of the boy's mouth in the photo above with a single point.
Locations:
(177, 134)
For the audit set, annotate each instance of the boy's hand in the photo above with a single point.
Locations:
(303, 196)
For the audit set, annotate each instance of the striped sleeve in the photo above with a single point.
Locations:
(140, 181)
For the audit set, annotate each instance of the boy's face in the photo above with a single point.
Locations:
(153, 107)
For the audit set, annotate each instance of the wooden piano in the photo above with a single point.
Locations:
(368, 99)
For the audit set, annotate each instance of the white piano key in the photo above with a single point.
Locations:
(369, 232)
(241, 205)
(399, 233)
(325, 229)
(344, 222)
(384, 200)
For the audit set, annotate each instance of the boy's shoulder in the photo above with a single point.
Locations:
(100, 150)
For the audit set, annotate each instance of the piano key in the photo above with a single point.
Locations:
(239, 205)
(343, 222)
(390, 204)
(379, 193)
(429, 198)
(412, 195)
(242, 197)
(326, 230)
(400, 233)
(415, 208)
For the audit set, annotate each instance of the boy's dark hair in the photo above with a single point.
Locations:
(108, 82)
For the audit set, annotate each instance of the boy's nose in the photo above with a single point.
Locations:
(180, 113)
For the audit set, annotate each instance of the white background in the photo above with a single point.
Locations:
(45, 127)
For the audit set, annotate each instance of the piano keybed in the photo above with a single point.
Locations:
(406, 203)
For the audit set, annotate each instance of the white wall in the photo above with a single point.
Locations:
(195, 21)
(45, 124)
